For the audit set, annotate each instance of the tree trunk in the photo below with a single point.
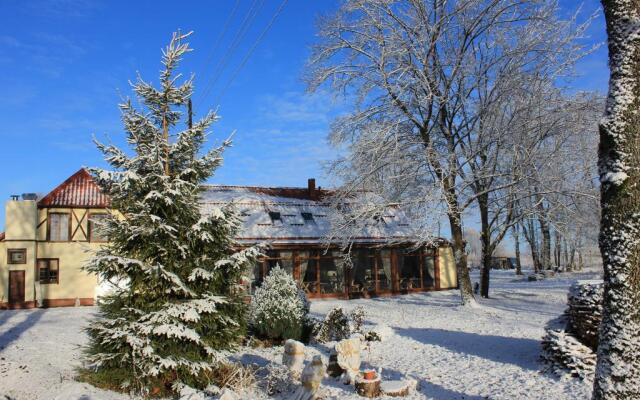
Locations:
(529, 235)
(565, 246)
(464, 281)
(557, 248)
(485, 240)
(516, 242)
(545, 252)
(618, 368)
(572, 258)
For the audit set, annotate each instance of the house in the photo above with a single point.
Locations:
(48, 239)
(498, 262)
(46, 242)
(295, 221)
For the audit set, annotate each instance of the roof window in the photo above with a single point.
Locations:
(307, 216)
(275, 216)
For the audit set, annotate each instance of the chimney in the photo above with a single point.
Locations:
(311, 187)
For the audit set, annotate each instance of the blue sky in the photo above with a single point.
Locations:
(65, 64)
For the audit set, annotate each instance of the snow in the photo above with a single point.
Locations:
(254, 207)
(453, 352)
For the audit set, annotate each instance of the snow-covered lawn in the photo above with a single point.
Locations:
(455, 353)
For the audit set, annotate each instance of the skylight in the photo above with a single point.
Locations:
(307, 216)
(275, 216)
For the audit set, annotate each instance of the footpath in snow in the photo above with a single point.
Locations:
(488, 352)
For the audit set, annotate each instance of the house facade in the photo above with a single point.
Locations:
(47, 241)
(295, 222)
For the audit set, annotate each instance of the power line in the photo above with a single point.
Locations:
(222, 63)
(221, 35)
(252, 49)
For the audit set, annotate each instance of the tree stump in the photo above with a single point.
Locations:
(395, 388)
(368, 387)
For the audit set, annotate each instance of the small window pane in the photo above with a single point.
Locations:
(17, 256)
(96, 228)
(48, 271)
(59, 227)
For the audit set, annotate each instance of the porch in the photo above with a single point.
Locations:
(364, 272)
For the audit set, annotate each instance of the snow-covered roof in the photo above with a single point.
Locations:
(294, 215)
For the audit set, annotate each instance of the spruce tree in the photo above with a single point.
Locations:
(177, 309)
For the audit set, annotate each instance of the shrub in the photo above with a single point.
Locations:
(336, 326)
(279, 308)
(357, 316)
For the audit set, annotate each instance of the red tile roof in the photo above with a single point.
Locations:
(79, 190)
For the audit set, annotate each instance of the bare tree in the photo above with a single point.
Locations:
(618, 366)
(425, 76)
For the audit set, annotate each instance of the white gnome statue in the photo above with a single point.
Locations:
(293, 357)
(349, 358)
(311, 377)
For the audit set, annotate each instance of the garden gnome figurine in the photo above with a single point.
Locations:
(311, 377)
(349, 358)
(293, 357)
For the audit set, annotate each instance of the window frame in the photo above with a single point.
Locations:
(90, 230)
(69, 223)
(18, 250)
(49, 281)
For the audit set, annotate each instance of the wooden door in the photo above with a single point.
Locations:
(16, 287)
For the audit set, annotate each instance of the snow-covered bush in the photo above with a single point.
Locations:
(276, 379)
(357, 316)
(279, 308)
(336, 326)
(379, 334)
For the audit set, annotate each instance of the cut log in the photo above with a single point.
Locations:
(368, 387)
(396, 388)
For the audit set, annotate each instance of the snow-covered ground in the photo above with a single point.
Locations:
(488, 352)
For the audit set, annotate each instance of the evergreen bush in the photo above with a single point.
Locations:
(279, 307)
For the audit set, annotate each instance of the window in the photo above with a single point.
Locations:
(429, 273)
(307, 217)
(410, 270)
(275, 216)
(48, 270)
(59, 227)
(17, 256)
(96, 227)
